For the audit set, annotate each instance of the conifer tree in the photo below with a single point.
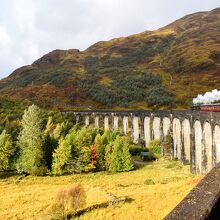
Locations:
(30, 142)
(106, 138)
(83, 137)
(6, 150)
(100, 147)
(61, 157)
(120, 157)
(108, 152)
(49, 145)
(57, 131)
(49, 126)
(68, 156)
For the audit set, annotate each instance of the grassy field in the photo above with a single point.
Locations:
(154, 190)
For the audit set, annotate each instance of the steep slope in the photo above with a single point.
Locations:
(161, 69)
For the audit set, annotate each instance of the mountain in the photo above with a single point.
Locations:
(165, 68)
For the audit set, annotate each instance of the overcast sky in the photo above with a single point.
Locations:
(31, 28)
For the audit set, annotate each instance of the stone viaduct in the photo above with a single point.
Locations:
(195, 135)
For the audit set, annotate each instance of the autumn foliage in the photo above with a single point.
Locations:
(69, 201)
(93, 155)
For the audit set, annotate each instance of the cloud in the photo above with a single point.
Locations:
(31, 28)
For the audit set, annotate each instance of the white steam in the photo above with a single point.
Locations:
(207, 98)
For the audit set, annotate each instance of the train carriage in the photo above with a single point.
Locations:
(207, 107)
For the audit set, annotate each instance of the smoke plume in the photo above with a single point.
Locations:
(207, 98)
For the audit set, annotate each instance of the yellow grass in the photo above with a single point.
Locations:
(31, 197)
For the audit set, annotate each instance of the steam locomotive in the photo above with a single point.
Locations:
(207, 107)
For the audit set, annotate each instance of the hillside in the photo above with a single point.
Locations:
(165, 68)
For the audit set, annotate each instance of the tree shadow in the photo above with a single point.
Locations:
(116, 201)
(5, 175)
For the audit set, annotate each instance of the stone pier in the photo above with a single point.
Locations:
(135, 129)
(97, 121)
(106, 122)
(125, 124)
(115, 123)
(87, 120)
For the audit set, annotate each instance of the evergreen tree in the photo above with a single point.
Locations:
(120, 157)
(100, 147)
(83, 137)
(88, 158)
(6, 150)
(108, 152)
(57, 131)
(61, 157)
(49, 126)
(49, 145)
(68, 157)
(126, 157)
(30, 142)
(106, 138)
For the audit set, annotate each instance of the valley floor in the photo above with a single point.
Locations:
(154, 190)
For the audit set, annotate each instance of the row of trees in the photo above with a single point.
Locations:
(79, 151)
(58, 149)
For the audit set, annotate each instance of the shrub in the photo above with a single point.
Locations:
(89, 168)
(91, 64)
(167, 145)
(149, 182)
(155, 147)
(39, 171)
(77, 197)
(159, 96)
(136, 150)
(149, 157)
(60, 207)
(69, 201)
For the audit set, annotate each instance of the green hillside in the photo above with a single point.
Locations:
(162, 69)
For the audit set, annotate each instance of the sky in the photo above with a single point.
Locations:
(31, 28)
